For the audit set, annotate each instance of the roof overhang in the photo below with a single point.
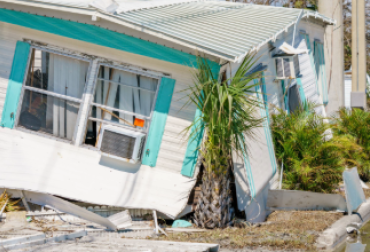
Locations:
(198, 47)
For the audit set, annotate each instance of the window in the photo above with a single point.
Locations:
(287, 66)
(58, 100)
(121, 98)
(52, 94)
(294, 99)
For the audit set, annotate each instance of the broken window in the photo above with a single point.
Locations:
(294, 99)
(52, 94)
(121, 98)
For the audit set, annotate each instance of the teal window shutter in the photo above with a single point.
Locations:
(196, 137)
(158, 122)
(312, 60)
(286, 96)
(191, 155)
(323, 74)
(302, 93)
(321, 70)
(15, 83)
(264, 93)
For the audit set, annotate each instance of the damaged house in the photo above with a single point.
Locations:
(91, 103)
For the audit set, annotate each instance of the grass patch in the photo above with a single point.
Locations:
(283, 230)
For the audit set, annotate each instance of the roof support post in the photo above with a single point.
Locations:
(358, 95)
(296, 25)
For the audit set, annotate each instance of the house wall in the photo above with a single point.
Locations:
(81, 174)
(256, 208)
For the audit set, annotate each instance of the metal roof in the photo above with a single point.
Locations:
(223, 29)
(228, 30)
(66, 3)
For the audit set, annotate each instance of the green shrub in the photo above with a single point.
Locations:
(313, 158)
(355, 124)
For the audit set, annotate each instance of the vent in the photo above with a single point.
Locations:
(120, 143)
(287, 67)
(117, 144)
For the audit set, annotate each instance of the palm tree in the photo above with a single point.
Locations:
(228, 117)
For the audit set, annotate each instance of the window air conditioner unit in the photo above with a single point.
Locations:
(121, 144)
(287, 67)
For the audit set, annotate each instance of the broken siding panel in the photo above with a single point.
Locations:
(90, 179)
(307, 73)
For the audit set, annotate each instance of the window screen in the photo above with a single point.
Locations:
(279, 68)
(294, 99)
(52, 93)
(287, 71)
(122, 98)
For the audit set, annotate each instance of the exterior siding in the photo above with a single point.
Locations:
(110, 183)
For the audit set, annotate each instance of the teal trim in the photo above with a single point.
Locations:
(100, 36)
(192, 150)
(266, 128)
(15, 83)
(312, 60)
(196, 137)
(323, 72)
(302, 93)
(286, 96)
(155, 135)
(264, 93)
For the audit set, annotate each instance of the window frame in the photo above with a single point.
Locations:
(297, 93)
(44, 92)
(92, 103)
(87, 98)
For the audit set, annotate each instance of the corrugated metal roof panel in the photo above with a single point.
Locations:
(229, 30)
(224, 29)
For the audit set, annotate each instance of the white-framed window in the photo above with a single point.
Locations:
(52, 94)
(122, 98)
(73, 97)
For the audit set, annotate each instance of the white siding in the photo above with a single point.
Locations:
(36, 163)
(347, 91)
(7, 47)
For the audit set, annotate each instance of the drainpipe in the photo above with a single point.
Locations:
(358, 94)
(334, 53)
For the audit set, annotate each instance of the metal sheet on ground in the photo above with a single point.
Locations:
(301, 200)
(354, 193)
(355, 247)
(67, 207)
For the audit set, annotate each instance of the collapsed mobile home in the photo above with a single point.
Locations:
(91, 103)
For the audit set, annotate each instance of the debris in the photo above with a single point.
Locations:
(355, 247)
(14, 220)
(7, 204)
(25, 203)
(29, 241)
(352, 230)
(67, 207)
(181, 224)
(122, 220)
(354, 193)
(155, 221)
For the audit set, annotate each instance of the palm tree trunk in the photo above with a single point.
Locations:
(215, 203)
